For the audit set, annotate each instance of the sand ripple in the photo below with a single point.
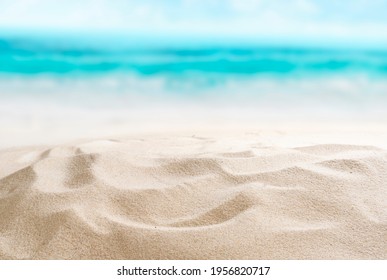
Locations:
(133, 199)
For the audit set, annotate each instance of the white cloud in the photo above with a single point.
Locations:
(245, 6)
(361, 20)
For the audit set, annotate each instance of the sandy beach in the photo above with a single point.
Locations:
(193, 130)
(240, 194)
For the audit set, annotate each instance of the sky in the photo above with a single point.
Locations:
(351, 21)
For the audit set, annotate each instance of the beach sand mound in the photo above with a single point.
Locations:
(192, 198)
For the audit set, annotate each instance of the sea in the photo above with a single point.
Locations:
(131, 72)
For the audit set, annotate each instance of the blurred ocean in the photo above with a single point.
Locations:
(64, 57)
(128, 75)
(80, 68)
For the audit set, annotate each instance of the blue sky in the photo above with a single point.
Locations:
(358, 21)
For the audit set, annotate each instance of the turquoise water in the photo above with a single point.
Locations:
(33, 56)
(266, 82)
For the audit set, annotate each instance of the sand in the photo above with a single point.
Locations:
(194, 196)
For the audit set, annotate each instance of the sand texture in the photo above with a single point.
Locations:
(193, 197)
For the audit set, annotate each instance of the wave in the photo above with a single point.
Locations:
(28, 56)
